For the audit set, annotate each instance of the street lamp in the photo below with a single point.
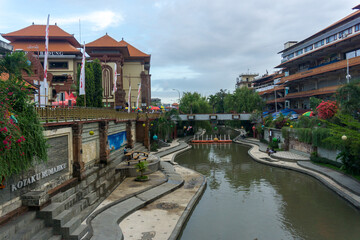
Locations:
(178, 93)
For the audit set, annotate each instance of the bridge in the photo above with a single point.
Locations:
(214, 117)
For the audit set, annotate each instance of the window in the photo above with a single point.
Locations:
(345, 32)
(309, 48)
(58, 65)
(61, 78)
(331, 38)
(290, 56)
(299, 52)
(319, 43)
(357, 27)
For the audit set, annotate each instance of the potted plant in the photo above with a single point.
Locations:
(142, 167)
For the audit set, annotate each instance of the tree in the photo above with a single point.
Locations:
(243, 100)
(165, 123)
(21, 134)
(348, 97)
(194, 103)
(14, 64)
(346, 125)
(93, 87)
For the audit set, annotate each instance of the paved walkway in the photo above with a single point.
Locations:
(345, 186)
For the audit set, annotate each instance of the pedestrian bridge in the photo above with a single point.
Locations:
(214, 117)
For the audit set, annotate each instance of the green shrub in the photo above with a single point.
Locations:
(154, 147)
(304, 135)
(318, 136)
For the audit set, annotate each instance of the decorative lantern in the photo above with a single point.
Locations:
(155, 137)
(91, 132)
(274, 139)
(144, 124)
(215, 128)
(242, 127)
(291, 126)
(184, 127)
(344, 137)
(262, 126)
(152, 124)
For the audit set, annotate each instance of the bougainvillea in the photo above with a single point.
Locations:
(21, 134)
(327, 109)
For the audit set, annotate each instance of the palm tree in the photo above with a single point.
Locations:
(166, 122)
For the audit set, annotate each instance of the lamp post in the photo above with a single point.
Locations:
(178, 93)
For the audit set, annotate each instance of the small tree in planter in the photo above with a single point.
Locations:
(142, 167)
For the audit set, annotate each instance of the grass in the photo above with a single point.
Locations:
(357, 177)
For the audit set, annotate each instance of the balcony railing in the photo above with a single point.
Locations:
(321, 91)
(324, 69)
(64, 114)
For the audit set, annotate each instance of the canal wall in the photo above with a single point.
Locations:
(80, 154)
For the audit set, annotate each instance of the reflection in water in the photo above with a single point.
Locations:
(248, 200)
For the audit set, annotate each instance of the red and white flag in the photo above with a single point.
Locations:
(138, 96)
(129, 98)
(46, 52)
(115, 78)
(82, 74)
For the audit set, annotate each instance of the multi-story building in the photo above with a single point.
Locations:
(318, 65)
(245, 80)
(63, 57)
(132, 67)
(5, 48)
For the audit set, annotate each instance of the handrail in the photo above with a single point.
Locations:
(71, 114)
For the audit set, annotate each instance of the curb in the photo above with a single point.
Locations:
(345, 196)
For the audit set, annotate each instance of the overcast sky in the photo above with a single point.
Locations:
(195, 45)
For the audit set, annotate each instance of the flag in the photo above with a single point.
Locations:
(137, 101)
(46, 51)
(115, 78)
(82, 74)
(129, 98)
(44, 87)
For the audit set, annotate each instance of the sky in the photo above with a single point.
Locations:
(195, 45)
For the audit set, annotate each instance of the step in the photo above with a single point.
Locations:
(79, 232)
(56, 237)
(63, 218)
(16, 224)
(70, 226)
(49, 212)
(62, 196)
(27, 232)
(43, 234)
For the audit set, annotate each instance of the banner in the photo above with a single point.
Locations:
(82, 74)
(115, 78)
(44, 87)
(138, 96)
(129, 98)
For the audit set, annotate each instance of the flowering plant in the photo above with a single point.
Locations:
(327, 109)
(21, 134)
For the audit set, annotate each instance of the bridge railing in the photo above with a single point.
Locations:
(67, 114)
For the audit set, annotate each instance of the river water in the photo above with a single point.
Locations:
(248, 200)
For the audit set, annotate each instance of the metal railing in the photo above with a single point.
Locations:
(67, 114)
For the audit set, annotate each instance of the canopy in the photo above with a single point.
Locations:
(309, 114)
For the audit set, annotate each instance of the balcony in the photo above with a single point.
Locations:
(321, 91)
(320, 70)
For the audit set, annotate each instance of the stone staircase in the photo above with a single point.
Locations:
(27, 227)
(63, 218)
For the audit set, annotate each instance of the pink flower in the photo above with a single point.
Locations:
(5, 142)
(10, 93)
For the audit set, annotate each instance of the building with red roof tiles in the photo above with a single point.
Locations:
(316, 66)
(64, 56)
(132, 68)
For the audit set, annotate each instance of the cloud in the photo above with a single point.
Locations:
(99, 20)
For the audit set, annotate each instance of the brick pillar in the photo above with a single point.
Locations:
(146, 134)
(104, 145)
(129, 137)
(78, 165)
(120, 93)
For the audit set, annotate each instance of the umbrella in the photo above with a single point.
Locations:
(309, 114)
(155, 108)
